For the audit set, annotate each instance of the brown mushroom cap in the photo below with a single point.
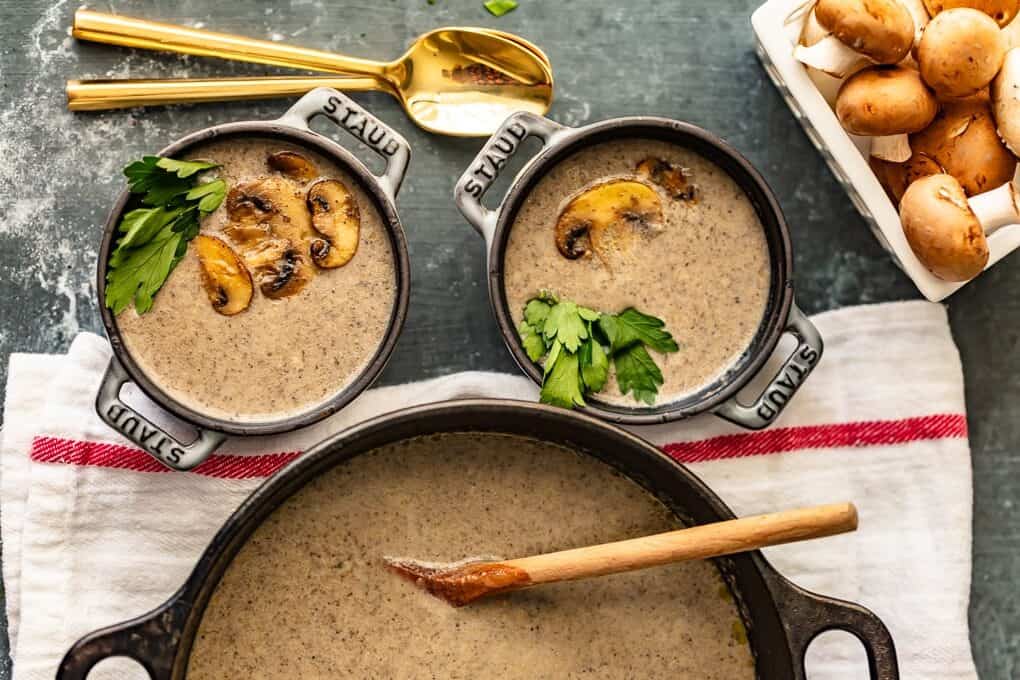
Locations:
(960, 52)
(1005, 92)
(896, 177)
(880, 29)
(885, 100)
(1002, 11)
(963, 141)
(942, 229)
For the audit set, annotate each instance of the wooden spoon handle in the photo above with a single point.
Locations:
(699, 542)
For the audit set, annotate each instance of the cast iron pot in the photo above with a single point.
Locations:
(781, 619)
(781, 314)
(382, 189)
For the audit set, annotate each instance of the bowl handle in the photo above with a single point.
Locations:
(151, 640)
(780, 390)
(489, 162)
(148, 436)
(807, 615)
(352, 117)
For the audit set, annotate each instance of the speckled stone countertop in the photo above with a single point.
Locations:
(59, 173)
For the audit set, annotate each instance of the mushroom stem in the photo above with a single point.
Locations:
(895, 148)
(919, 14)
(831, 56)
(998, 207)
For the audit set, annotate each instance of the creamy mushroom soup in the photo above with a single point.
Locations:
(700, 263)
(301, 310)
(308, 595)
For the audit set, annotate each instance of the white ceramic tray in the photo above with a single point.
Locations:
(777, 27)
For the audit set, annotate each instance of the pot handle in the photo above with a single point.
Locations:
(355, 119)
(489, 162)
(145, 434)
(151, 640)
(780, 390)
(807, 615)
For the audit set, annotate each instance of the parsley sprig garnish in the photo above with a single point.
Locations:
(154, 236)
(578, 344)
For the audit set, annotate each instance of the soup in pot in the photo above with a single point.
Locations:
(309, 596)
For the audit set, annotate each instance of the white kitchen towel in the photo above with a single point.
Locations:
(95, 532)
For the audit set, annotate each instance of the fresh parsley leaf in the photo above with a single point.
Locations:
(140, 225)
(208, 195)
(562, 385)
(534, 344)
(154, 239)
(594, 365)
(581, 343)
(631, 327)
(498, 8)
(565, 324)
(536, 312)
(184, 169)
(141, 174)
(636, 371)
(554, 354)
(140, 272)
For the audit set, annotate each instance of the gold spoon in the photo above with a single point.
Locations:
(104, 94)
(453, 81)
(465, 582)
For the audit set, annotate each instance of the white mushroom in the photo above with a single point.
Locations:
(947, 231)
(886, 103)
(879, 31)
(1006, 100)
(960, 52)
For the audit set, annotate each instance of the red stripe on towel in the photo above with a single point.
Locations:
(783, 439)
(778, 440)
(98, 454)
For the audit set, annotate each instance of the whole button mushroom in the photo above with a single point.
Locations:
(942, 230)
(963, 141)
(878, 30)
(886, 103)
(1006, 100)
(896, 177)
(960, 52)
(1002, 11)
(947, 231)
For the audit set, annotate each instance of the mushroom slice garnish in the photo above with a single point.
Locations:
(224, 277)
(673, 179)
(336, 217)
(605, 218)
(248, 203)
(293, 165)
(276, 201)
(280, 268)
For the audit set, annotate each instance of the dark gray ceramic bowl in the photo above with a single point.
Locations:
(781, 619)
(382, 189)
(781, 314)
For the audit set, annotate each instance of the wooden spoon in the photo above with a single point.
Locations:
(462, 583)
(453, 81)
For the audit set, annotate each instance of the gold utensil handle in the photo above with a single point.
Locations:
(151, 35)
(698, 542)
(100, 95)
